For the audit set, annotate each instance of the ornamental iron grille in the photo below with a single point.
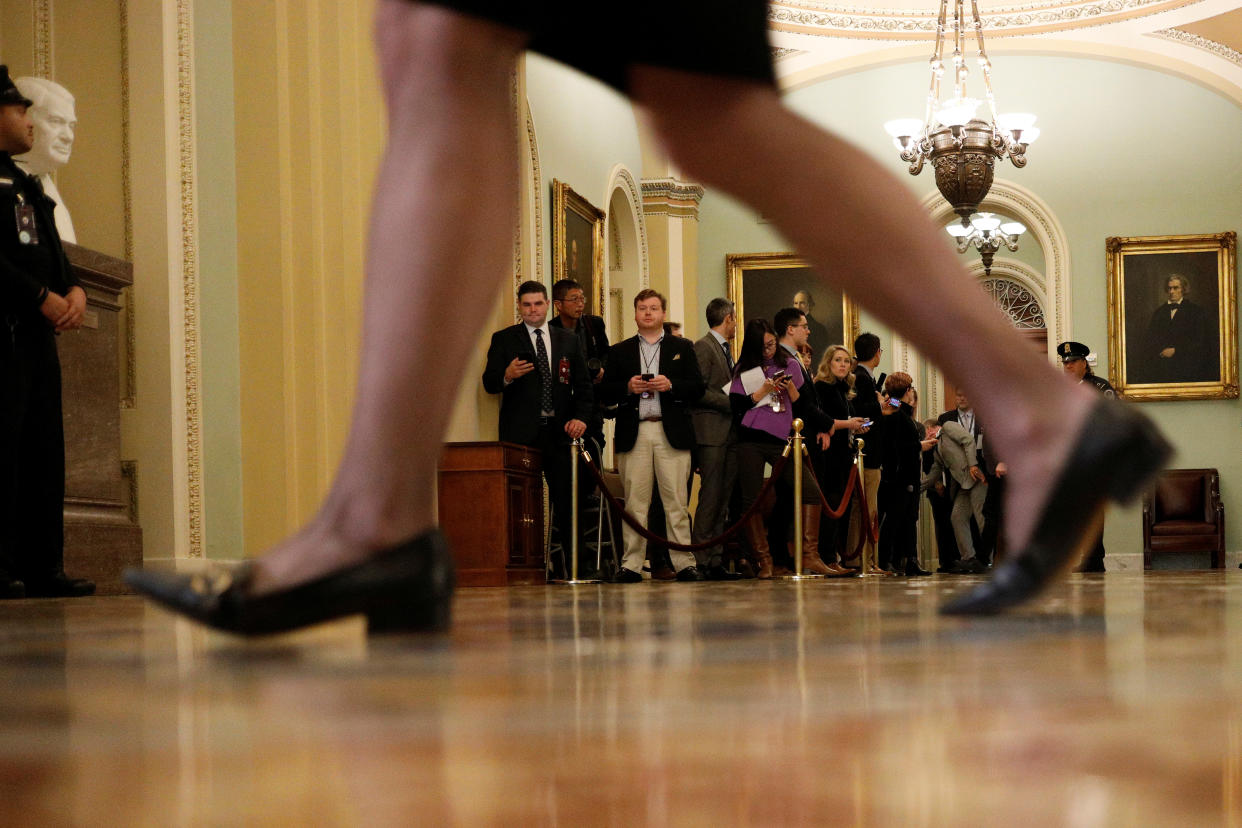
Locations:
(1018, 303)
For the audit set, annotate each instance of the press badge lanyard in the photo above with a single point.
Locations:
(27, 231)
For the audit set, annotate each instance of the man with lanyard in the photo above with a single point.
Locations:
(1074, 362)
(994, 473)
(39, 298)
(654, 379)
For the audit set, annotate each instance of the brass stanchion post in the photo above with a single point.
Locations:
(864, 517)
(576, 451)
(798, 451)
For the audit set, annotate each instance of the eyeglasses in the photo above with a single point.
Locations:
(577, 300)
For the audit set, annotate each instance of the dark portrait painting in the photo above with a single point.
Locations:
(760, 284)
(578, 242)
(1172, 302)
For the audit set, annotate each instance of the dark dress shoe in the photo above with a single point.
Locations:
(628, 576)
(11, 588)
(59, 585)
(968, 566)
(717, 572)
(913, 569)
(1117, 453)
(405, 588)
(690, 573)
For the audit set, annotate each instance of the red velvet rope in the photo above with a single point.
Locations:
(638, 527)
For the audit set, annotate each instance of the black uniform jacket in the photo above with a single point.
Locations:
(572, 394)
(27, 269)
(677, 362)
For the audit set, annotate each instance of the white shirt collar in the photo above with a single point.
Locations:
(720, 339)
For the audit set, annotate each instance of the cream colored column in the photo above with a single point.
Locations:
(162, 431)
(671, 213)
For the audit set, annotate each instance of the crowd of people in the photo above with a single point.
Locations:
(685, 408)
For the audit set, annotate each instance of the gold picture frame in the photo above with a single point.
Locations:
(578, 224)
(1156, 352)
(762, 283)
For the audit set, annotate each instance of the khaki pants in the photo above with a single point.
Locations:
(652, 453)
(871, 483)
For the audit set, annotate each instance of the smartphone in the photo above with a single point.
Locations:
(646, 377)
(879, 383)
(526, 356)
(867, 424)
(778, 376)
(894, 403)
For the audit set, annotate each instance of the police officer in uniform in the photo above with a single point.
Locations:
(1074, 362)
(39, 298)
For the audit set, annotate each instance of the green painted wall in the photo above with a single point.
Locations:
(583, 128)
(1104, 166)
(218, 312)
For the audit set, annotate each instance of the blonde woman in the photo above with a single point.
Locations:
(834, 386)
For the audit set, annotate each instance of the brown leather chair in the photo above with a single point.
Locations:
(1184, 514)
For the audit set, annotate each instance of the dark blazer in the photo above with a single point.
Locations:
(572, 397)
(679, 364)
(594, 334)
(27, 269)
(866, 405)
(713, 416)
(814, 420)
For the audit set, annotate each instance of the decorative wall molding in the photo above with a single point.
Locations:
(670, 197)
(779, 53)
(189, 274)
(536, 197)
(622, 179)
(44, 60)
(129, 381)
(828, 19)
(1197, 42)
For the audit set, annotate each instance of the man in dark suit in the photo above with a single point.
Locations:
(817, 335)
(1178, 337)
(653, 379)
(546, 391)
(569, 301)
(1074, 362)
(715, 435)
(867, 352)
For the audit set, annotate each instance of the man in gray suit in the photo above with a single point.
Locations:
(714, 435)
(967, 489)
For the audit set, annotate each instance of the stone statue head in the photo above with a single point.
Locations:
(54, 122)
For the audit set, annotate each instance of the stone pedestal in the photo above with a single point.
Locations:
(101, 532)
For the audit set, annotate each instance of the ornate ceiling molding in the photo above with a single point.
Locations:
(1197, 42)
(827, 20)
(668, 196)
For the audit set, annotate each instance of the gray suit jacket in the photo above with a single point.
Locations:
(713, 418)
(954, 453)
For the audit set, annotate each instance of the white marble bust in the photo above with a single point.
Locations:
(54, 124)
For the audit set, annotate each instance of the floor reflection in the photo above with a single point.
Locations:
(1112, 701)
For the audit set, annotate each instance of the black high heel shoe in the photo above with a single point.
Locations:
(1117, 454)
(406, 588)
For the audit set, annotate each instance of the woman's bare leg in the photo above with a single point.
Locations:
(864, 230)
(445, 199)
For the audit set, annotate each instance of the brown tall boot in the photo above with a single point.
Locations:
(757, 536)
(812, 564)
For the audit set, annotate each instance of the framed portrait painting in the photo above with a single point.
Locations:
(578, 243)
(760, 284)
(1172, 321)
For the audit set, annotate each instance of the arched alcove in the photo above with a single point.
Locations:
(625, 251)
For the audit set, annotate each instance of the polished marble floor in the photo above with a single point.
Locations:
(1115, 700)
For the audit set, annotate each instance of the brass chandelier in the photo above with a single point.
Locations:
(962, 147)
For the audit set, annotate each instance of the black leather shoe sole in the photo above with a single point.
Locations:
(60, 588)
(11, 588)
(406, 588)
(1117, 454)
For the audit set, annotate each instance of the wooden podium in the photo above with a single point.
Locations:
(491, 511)
(101, 531)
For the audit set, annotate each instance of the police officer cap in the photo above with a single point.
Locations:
(10, 95)
(1069, 351)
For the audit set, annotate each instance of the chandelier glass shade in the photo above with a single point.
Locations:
(986, 233)
(962, 144)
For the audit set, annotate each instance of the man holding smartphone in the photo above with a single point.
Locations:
(653, 379)
(546, 396)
